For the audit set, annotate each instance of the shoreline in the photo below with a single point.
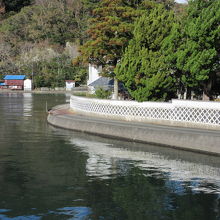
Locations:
(189, 139)
(41, 92)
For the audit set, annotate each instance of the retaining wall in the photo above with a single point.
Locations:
(199, 140)
(194, 114)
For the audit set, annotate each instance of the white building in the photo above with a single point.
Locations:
(70, 84)
(94, 72)
(27, 85)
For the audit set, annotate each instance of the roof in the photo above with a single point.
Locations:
(106, 82)
(103, 82)
(14, 77)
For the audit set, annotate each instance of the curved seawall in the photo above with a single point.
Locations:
(191, 139)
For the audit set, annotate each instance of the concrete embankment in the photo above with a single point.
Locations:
(49, 91)
(198, 140)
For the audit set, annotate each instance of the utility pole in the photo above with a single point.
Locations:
(115, 94)
(32, 75)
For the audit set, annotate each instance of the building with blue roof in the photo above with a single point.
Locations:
(14, 77)
(14, 82)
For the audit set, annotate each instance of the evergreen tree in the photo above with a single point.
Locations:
(170, 47)
(109, 33)
(196, 55)
(142, 68)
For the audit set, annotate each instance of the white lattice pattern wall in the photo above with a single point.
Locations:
(207, 113)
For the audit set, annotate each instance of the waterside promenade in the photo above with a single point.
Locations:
(180, 137)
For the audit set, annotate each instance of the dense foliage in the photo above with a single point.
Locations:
(142, 67)
(186, 60)
(53, 73)
(192, 49)
(198, 54)
(35, 39)
(109, 32)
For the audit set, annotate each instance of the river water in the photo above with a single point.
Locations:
(51, 173)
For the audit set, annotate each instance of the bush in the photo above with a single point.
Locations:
(84, 94)
(102, 94)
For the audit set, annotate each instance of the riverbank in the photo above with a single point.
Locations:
(78, 89)
(35, 91)
(191, 139)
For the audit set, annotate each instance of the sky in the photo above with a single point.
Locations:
(181, 1)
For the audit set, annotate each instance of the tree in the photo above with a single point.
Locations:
(2, 7)
(90, 5)
(7, 62)
(203, 33)
(53, 22)
(197, 53)
(35, 38)
(143, 69)
(170, 46)
(109, 33)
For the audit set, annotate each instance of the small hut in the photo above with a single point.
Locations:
(14, 81)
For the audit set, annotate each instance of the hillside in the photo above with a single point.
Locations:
(42, 37)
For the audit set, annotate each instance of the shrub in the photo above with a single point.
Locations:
(102, 94)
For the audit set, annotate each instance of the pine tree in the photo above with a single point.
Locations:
(109, 32)
(142, 68)
(197, 56)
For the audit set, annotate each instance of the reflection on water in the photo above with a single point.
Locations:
(105, 160)
(22, 104)
(50, 173)
(27, 104)
(76, 212)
